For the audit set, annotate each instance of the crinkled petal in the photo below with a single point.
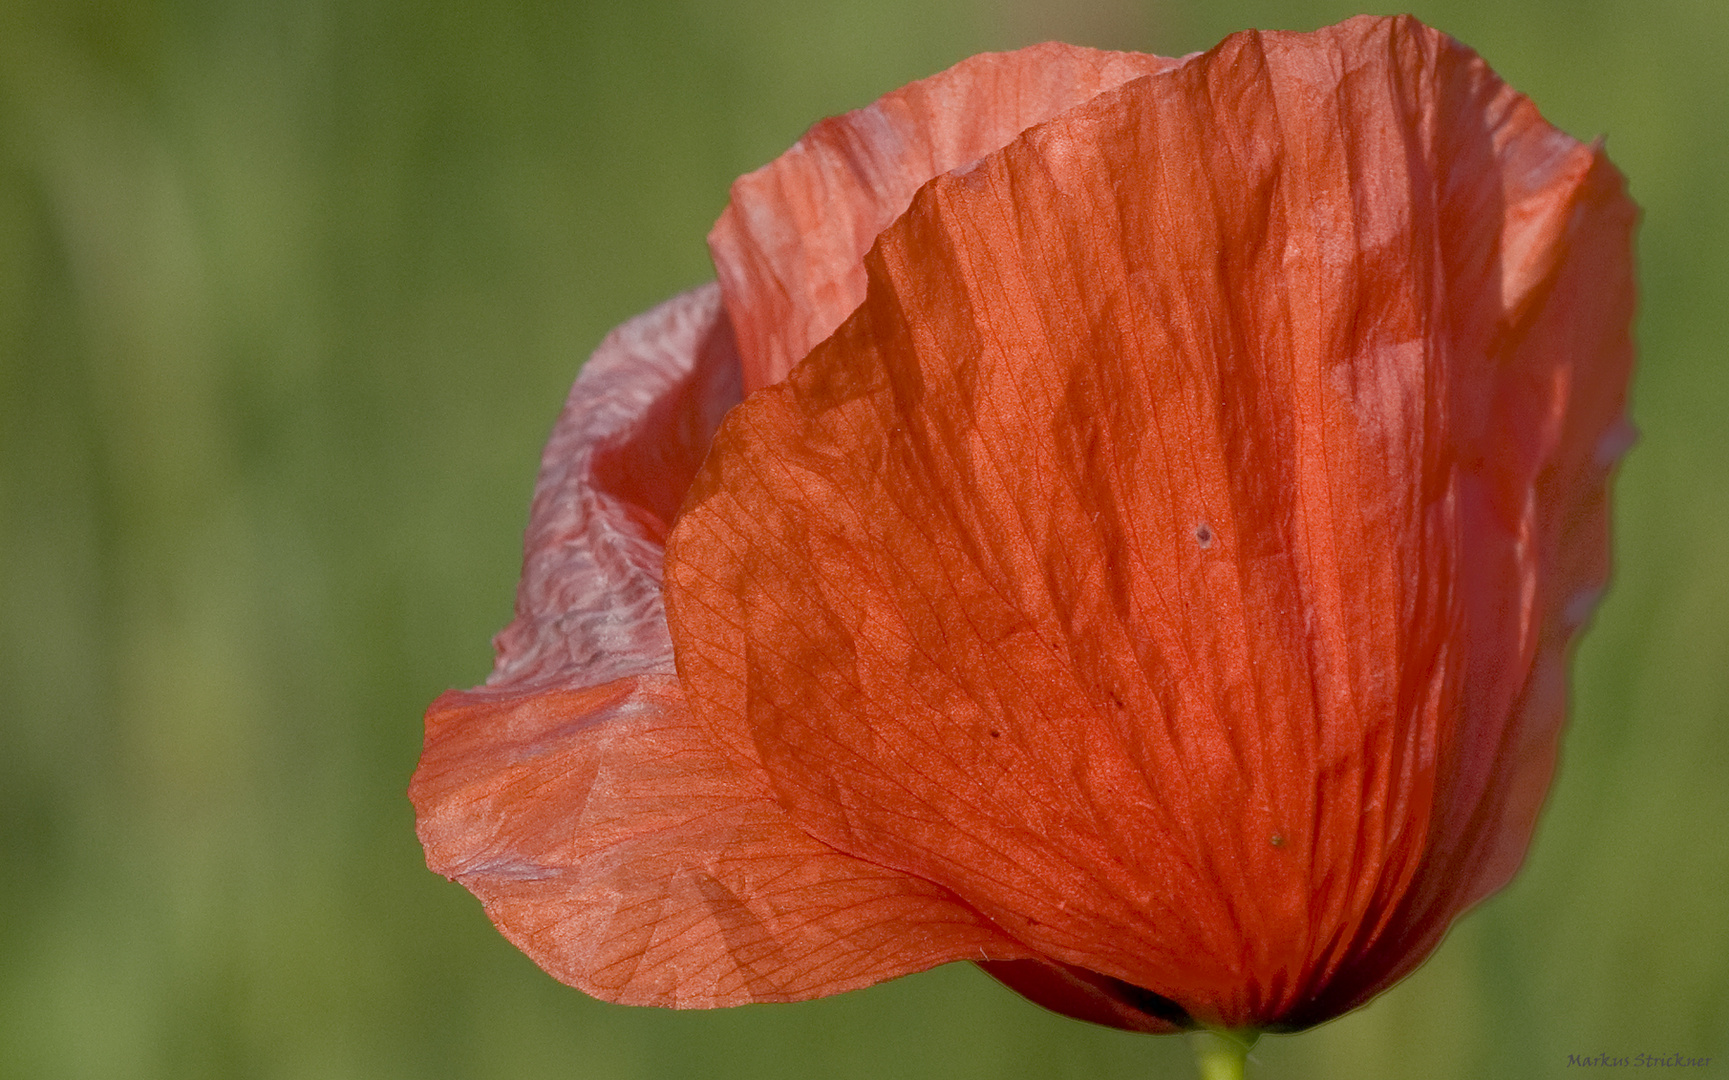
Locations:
(633, 431)
(608, 836)
(789, 248)
(614, 843)
(1172, 555)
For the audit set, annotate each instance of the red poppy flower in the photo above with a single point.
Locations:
(1145, 567)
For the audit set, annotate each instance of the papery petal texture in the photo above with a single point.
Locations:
(1174, 556)
(789, 248)
(608, 835)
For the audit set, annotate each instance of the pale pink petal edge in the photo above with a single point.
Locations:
(605, 832)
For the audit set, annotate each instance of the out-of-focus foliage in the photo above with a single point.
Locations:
(289, 295)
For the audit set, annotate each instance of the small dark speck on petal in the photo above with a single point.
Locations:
(995, 734)
(1204, 535)
(1278, 841)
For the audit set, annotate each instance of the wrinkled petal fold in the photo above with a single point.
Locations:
(789, 248)
(636, 426)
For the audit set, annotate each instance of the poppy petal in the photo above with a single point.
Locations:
(789, 247)
(606, 834)
(633, 431)
(629, 857)
(1569, 353)
(1212, 446)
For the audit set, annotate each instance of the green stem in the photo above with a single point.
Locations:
(1219, 1055)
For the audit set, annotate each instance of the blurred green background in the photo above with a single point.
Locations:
(290, 294)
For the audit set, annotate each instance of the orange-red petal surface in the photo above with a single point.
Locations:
(608, 836)
(1174, 556)
(1560, 425)
(790, 246)
(615, 845)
